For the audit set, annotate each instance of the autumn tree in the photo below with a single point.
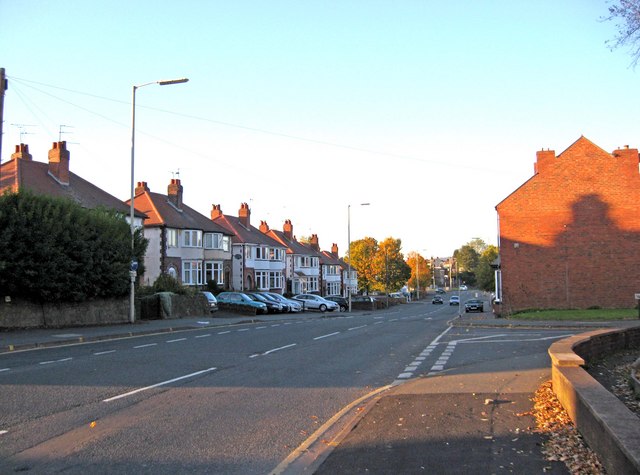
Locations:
(422, 278)
(392, 272)
(361, 257)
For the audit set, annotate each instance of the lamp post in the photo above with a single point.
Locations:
(134, 265)
(349, 250)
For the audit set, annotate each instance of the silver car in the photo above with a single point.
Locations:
(315, 302)
(293, 305)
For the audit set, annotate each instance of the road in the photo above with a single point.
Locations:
(227, 400)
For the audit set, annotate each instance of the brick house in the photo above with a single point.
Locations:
(302, 270)
(182, 242)
(258, 260)
(569, 237)
(56, 179)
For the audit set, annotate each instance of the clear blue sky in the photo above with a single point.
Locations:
(431, 111)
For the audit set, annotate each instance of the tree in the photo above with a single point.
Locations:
(362, 256)
(53, 250)
(423, 277)
(627, 16)
(392, 272)
(467, 258)
(485, 273)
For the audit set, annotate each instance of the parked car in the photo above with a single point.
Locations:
(292, 305)
(240, 298)
(316, 302)
(474, 305)
(454, 300)
(362, 298)
(272, 306)
(463, 287)
(437, 300)
(440, 291)
(213, 303)
(341, 301)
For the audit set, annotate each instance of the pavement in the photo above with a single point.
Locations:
(483, 428)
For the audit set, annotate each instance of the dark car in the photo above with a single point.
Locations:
(440, 291)
(344, 303)
(272, 306)
(474, 305)
(437, 300)
(213, 303)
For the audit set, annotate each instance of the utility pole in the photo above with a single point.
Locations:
(3, 87)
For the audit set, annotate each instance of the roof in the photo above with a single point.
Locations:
(20, 174)
(329, 259)
(163, 213)
(292, 245)
(245, 235)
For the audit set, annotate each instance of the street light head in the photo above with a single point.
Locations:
(173, 81)
(365, 204)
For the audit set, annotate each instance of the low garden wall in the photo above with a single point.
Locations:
(608, 426)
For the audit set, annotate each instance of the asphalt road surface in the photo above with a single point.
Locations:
(234, 400)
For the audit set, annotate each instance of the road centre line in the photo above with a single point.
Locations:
(145, 346)
(176, 340)
(326, 336)
(278, 349)
(243, 330)
(164, 383)
(356, 328)
(260, 328)
(224, 333)
(99, 353)
(3, 432)
(4, 369)
(203, 336)
(55, 361)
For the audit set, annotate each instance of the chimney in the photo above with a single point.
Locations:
(216, 212)
(288, 230)
(59, 162)
(313, 242)
(245, 215)
(334, 249)
(629, 159)
(22, 152)
(544, 160)
(142, 187)
(174, 193)
(264, 227)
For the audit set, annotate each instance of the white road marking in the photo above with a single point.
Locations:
(224, 333)
(176, 340)
(164, 383)
(377, 323)
(356, 328)
(55, 361)
(203, 323)
(410, 370)
(4, 369)
(145, 346)
(3, 432)
(276, 325)
(243, 330)
(203, 336)
(260, 328)
(104, 352)
(289, 323)
(326, 336)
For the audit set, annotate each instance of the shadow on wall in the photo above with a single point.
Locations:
(592, 263)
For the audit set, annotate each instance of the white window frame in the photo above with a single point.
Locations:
(213, 241)
(214, 270)
(191, 238)
(312, 284)
(262, 280)
(276, 280)
(172, 237)
(192, 272)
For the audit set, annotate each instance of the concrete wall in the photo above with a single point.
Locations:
(607, 425)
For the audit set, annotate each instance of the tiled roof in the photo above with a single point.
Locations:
(244, 235)
(292, 245)
(163, 213)
(20, 174)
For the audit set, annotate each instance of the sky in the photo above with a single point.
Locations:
(431, 112)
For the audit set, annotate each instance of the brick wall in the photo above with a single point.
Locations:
(570, 236)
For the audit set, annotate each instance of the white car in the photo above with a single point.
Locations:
(316, 302)
(463, 287)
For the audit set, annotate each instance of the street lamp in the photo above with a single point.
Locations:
(133, 272)
(349, 249)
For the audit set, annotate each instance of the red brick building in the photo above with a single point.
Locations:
(569, 237)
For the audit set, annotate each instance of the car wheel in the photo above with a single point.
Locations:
(323, 308)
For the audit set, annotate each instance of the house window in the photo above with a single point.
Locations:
(276, 254)
(312, 284)
(225, 243)
(315, 262)
(333, 288)
(303, 261)
(247, 252)
(276, 280)
(213, 241)
(213, 271)
(192, 272)
(262, 252)
(262, 280)
(191, 238)
(172, 237)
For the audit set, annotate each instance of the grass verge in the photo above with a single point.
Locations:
(590, 315)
